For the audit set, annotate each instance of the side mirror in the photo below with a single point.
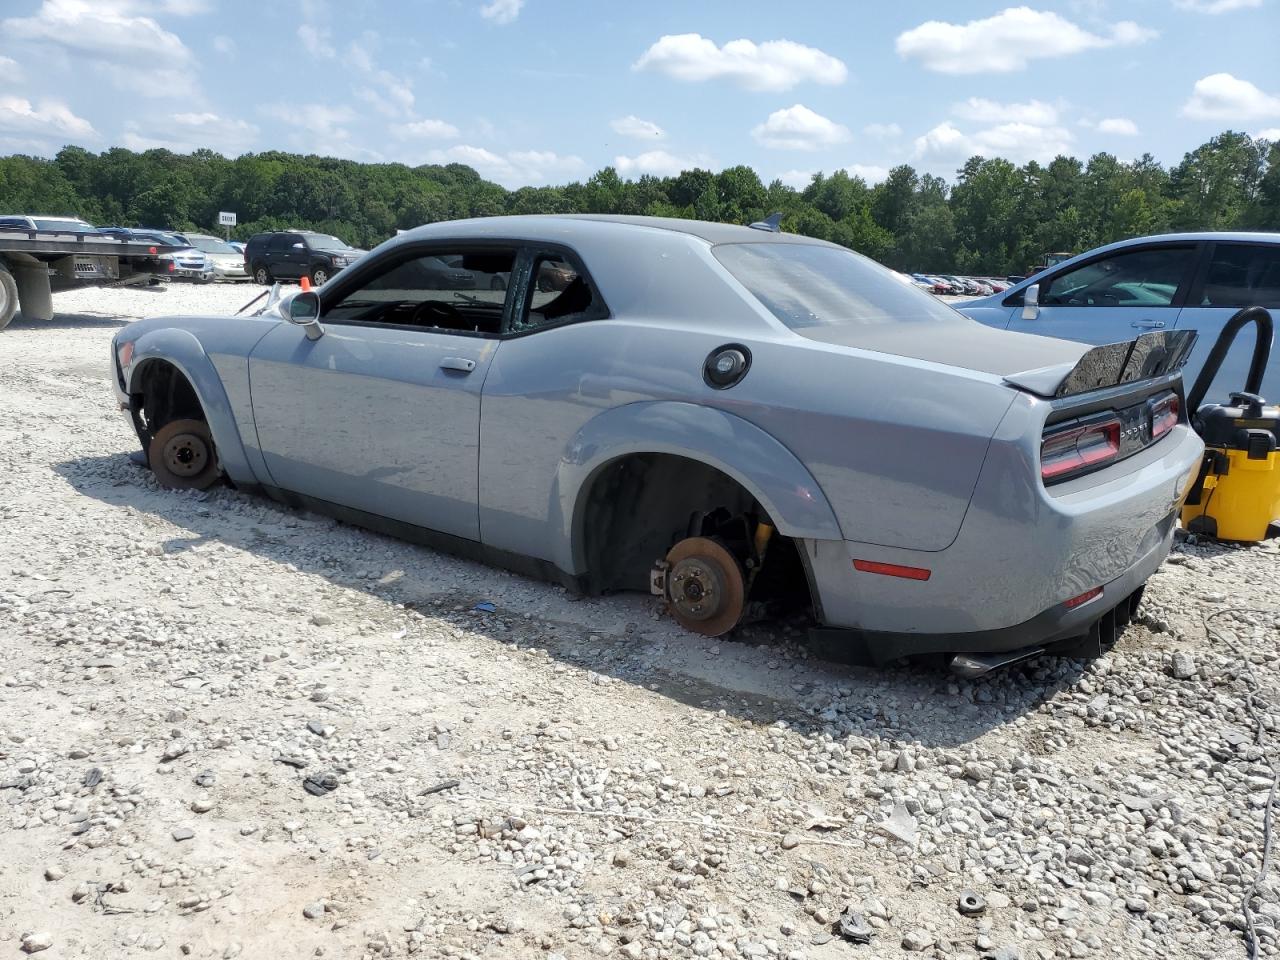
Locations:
(304, 310)
(1031, 302)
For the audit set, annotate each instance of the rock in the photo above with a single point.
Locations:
(1183, 666)
(182, 833)
(318, 784)
(321, 619)
(321, 729)
(313, 911)
(917, 940)
(36, 942)
(853, 927)
(790, 841)
(174, 750)
(54, 873)
(202, 805)
(205, 778)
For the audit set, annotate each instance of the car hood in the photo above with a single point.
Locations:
(965, 343)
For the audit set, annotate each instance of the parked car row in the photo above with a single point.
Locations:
(959, 286)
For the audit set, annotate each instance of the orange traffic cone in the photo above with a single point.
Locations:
(305, 283)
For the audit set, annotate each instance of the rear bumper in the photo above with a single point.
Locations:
(1021, 553)
(1049, 627)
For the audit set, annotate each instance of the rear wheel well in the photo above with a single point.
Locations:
(164, 394)
(639, 506)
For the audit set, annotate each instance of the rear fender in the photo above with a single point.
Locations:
(763, 466)
(183, 351)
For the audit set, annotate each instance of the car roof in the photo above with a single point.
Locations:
(571, 226)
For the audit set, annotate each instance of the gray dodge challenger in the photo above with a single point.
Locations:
(745, 422)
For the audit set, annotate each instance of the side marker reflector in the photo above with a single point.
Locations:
(1084, 598)
(892, 570)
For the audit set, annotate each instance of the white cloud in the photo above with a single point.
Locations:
(426, 130)
(518, 168)
(989, 111)
(868, 172)
(320, 119)
(1216, 6)
(10, 72)
(799, 128)
(1019, 142)
(799, 179)
(185, 132)
(882, 131)
(1118, 126)
(1271, 133)
(1007, 41)
(224, 45)
(144, 57)
(49, 118)
(316, 40)
(632, 126)
(770, 66)
(502, 11)
(659, 163)
(1220, 96)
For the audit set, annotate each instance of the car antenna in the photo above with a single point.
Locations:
(771, 223)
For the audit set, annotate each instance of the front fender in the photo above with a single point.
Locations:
(185, 352)
(763, 466)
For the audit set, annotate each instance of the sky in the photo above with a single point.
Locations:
(530, 92)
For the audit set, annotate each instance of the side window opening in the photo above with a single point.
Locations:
(558, 294)
(1137, 278)
(1243, 275)
(462, 292)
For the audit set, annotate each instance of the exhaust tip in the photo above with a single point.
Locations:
(974, 665)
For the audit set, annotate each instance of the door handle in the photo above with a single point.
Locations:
(1147, 324)
(461, 364)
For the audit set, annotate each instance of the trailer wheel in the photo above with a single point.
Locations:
(8, 297)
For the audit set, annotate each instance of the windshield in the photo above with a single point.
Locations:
(212, 245)
(319, 241)
(63, 226)
(806, 285)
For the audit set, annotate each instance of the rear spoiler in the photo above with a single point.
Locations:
(1149, 357)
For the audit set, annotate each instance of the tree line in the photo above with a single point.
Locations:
(995, 218)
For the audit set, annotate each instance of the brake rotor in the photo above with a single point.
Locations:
(706, 587)
(185, 455)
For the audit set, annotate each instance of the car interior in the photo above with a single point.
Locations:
(464, 292)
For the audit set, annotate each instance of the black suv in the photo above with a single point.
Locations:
(293, 254)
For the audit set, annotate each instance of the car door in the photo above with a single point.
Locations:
(1113, 297)
(381, 413)
(1234, 275)
(279, 253)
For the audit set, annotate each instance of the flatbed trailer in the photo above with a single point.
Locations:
(35, 264)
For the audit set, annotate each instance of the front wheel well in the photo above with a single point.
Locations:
(639, 506)
(163, 395)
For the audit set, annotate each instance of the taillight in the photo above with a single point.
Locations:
(124, 353)
(1079, 448)
(1164, 415)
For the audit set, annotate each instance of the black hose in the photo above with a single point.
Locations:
(1257, 367)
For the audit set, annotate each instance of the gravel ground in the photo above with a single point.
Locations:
(228, 729)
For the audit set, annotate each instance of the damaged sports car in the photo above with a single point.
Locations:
(742, 421)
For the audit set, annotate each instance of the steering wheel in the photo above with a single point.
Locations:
(437, 313)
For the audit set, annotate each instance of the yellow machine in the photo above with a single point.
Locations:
(1237, 494)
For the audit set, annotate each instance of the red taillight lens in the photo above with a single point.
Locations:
(1078, 449)
(151, 250)
(1164, 415)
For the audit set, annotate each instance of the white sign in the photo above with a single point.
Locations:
(226, 219)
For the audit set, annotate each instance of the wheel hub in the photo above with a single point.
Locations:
(705, 587)
(186, 455)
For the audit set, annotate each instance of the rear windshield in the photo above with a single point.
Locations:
(805, 285)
